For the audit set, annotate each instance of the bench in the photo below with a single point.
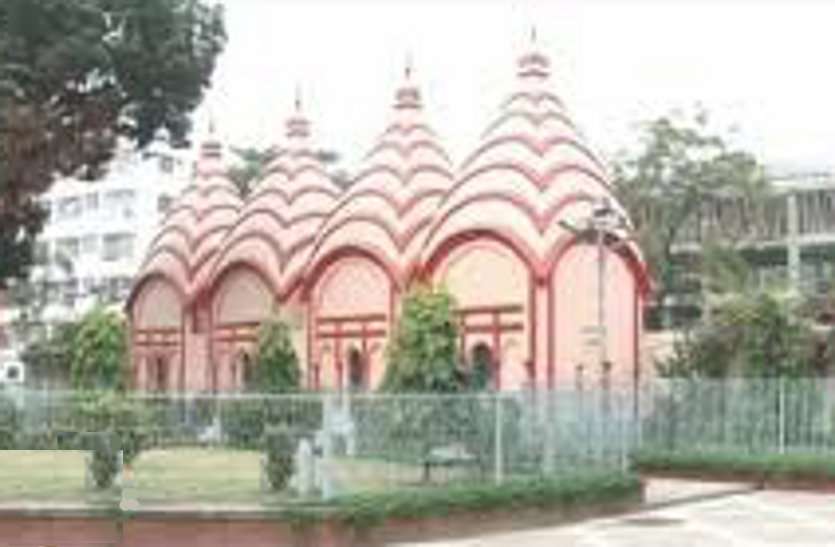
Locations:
(454, 455)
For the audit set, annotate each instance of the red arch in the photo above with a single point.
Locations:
(144, 279)
(290, 198)
(535, 98)
(295, 173)
(399, 208)
(406, 129)
(366, 251)
(405, 176)
(490, 233)
(217, 282)
(539, 148)
(627, 253)
(536, 119)
(405, 150)
(276, 216)
(168, 249)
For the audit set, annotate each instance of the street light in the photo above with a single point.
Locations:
(603, 221)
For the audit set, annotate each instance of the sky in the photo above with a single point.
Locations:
(763, 70)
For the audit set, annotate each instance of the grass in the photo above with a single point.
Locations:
(789, 466)
(45, 476)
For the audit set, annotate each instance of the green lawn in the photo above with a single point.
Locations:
(185, 475)
(44, 475)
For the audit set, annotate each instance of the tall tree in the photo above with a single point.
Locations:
(79, 76)
(681, 169)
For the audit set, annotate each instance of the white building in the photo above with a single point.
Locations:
(95, 237)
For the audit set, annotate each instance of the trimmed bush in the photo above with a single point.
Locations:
(790, 466)
(105, 462)
(280, 446)
(566, 492)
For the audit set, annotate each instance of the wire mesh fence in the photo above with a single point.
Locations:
(184, 448)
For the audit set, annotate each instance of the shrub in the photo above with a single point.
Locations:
(127, 421)
(99, 351)
(280, 446)
(9, 423)
(277, 366)
(423, 353)
(105, 461)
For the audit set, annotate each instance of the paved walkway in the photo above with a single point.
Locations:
(722, 515)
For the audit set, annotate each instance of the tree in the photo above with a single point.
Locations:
(77, 77)
(254, 163)
(252, 167)
(46, 359)
(99, 353)
(681, 169)
(423, 354)
(276, 364)
(758, 334)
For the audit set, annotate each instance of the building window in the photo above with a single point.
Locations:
(163, 203)
(117, 247)
(91, 201)
(69, 208)
(166, 164)
(67, 247)
(120, 202)
(41, 253)
(89, 244)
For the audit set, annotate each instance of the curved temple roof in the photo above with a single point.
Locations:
(531, 169)
(386, 211)
(276, 228)
(193, 228)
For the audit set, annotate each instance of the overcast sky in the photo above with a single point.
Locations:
(766, 67)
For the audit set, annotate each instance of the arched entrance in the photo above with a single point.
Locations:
(356, 370)
(483, 366)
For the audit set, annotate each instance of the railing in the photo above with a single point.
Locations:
(211, 448)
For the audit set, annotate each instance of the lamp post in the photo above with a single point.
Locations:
(604, 220)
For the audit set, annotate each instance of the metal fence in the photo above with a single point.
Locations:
(763, 416)
(210, 448)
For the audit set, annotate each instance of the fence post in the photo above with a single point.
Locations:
(499, 444)
(781, 410)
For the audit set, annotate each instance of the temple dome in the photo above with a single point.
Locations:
(531, 169)
(402, 178)
(277, 225)
(194, 226)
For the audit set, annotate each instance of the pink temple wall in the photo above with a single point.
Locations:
(485, 273)
(575, 288)
(353, 286)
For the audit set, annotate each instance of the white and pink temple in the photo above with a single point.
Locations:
(335, 264)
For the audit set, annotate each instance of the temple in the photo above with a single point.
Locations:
(498, 230)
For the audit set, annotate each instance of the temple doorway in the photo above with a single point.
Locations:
(482, 366)
(356, 370)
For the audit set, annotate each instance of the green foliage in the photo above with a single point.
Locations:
(78, 76)
(105, 461)
(9, 423)
(672, 181)
(791, 466)
(276, 364)
(423, 353)
(47, 359)
(566, 492)
(251, 168)
(280, 446)
(99, 353)
(755, 334)
(246, 420)
(128, 422)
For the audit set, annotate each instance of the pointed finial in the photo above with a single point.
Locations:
(533, 35)
(298, 100)
(409, 65)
